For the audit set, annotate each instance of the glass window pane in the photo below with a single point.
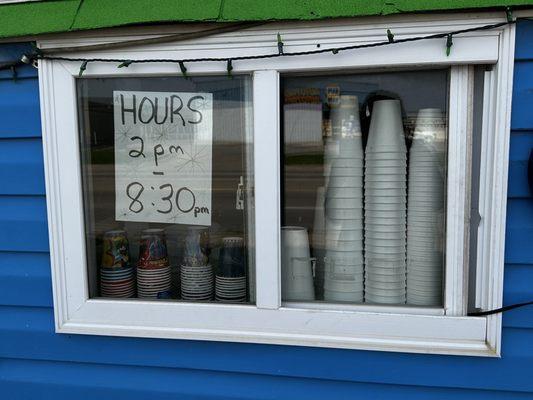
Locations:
(166, 162)
(364, 175)
(477, 125)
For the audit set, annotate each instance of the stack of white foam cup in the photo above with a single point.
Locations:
(425, 218)
(385, 206)
(344, 261)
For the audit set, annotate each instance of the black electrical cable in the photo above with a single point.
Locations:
(499, 310)
(10, 65)
(176, 37)
(44, 56)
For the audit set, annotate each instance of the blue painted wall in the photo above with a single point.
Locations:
(35, 363)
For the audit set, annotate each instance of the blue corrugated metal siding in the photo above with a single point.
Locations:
(35, 363)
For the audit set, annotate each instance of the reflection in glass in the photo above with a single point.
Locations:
(425, 219)
(166, 163)
(343, 206)
(364, 188)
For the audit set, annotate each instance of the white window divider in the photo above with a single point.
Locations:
(267, 188)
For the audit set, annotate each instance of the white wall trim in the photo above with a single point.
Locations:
(496, 140)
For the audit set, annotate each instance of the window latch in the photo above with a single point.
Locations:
(239, 201)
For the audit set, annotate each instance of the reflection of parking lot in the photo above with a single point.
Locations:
(300, 188)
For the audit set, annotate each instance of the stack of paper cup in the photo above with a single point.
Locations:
(117, 282)
(197, 277)
(385, 205)
(117, 276)
(344, 262)
(230, 279)
(296, 265)
(425, 219)
(153, 268)
(197, 282)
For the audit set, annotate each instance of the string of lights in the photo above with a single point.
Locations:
(38, 54)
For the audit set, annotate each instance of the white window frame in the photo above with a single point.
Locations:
(428, 330)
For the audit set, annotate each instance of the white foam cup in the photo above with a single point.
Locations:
(344, 234)
(372, 221)
(372, 234)
(346, 162)
(397, 264)
(386, 185)
(344, 213)
(397, 278)
(385, 250)
(346, 171)
(350, 193)
(387, 207)
(386, 156)
(356, 203)
(386, 126)
(394, 171)
(395, 287)
(385, 293)
(384, 300)
(336, 181)
(344, 245)
(297, 278)
(371, 178)
(332, 296)
(399, 212)
(376, 201)
(382, 258)
(376, 243)
(393, 227)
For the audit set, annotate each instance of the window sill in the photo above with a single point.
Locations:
(363, 330)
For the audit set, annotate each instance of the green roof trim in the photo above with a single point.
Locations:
(54, 16)
(37, 17)
(99, 13)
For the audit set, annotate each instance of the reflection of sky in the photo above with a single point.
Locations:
(420, 89)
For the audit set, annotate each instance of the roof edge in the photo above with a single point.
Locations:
(60, 16)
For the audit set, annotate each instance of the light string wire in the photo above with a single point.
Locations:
(335, 50)
(39, 54)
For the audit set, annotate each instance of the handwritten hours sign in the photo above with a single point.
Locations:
(163, 149)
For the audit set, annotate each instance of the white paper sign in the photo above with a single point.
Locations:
(163, 150)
